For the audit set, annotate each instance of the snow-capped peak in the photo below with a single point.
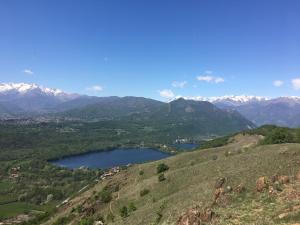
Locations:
(228, 98)
(240, 98)
(23, 88)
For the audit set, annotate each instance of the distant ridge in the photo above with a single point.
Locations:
(19, 99)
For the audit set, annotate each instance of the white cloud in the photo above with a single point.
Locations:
(296, 83)
(219, 80)
(208, 72)
(205, 78)
(28, 71)
(179, 84)
(278, 83)
(211, 79)
(166, 93)
(95, 88)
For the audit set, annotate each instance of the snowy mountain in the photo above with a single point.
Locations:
(229, 100)
(16, 98)
(15, 90)
(21, 99)
(281, 111)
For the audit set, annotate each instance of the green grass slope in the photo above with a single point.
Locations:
(189, 182)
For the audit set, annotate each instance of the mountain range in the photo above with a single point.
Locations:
(281, 111)
(21, 99)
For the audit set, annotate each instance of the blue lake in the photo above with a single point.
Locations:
(108, 159)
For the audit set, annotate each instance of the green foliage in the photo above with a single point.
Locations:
(79, 209)
(105, 196)
(144, 192)
(124, 212)
(131, 207)
(278, 136)
(161, 177)
(33, 145)
(162, 168)
(141, 172)
(86, 221)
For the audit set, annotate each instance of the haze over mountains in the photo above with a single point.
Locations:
(281, 111)
(21, 99)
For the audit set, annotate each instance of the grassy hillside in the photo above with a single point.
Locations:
(139, 198)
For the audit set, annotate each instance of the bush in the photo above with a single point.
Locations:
(131, 207)
(105, 196)
(110, 217)
(141, 172)
(124, 212)
(86, 221)
(278, 136)
(144, 192)
(162, 168)
(79, 209)
(161, 177)
(214, 157)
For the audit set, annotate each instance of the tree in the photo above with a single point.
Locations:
(162, 168)
(278, 136)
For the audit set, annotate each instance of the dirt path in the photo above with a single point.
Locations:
(110, 208)
(110, 204)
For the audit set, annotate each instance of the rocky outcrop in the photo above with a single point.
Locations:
(262, 184)
(195, 216)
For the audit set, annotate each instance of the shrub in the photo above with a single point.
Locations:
(86, 221)
(141, 173)
(158, 217)
(161, 177)
(277, 136)
(131, 207)
(214, 157)
(124, 212)
(105, 196)
(110, 217)
(162, 168)
(144, 192)
(79, 209)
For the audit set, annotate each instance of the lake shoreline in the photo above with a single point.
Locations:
(111, 158)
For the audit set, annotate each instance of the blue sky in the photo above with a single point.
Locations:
(153, 48)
